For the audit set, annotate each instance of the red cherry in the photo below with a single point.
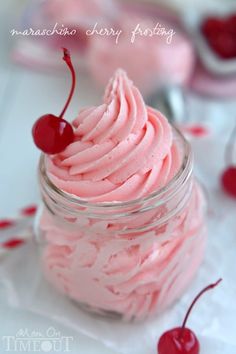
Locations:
(53, 134)
(228, 177)
(228, 180)
(220, 34)
(175, 342)
(182, 340)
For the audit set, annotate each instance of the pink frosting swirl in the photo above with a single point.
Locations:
(123, 150)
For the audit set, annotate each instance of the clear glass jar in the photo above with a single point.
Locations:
(131, 259)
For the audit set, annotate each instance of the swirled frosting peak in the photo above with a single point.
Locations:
(122, 150)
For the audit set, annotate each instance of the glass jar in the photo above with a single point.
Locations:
(132, 259)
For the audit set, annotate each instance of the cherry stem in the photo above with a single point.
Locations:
(209, 287)
(229, 148)
(67, 59)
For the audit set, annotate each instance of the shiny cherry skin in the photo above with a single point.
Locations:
(228, 180)
(178, 341)
(52, 134)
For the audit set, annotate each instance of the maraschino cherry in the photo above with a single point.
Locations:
(220, 35)
(182, 340)
(53, 134)
(228, 178)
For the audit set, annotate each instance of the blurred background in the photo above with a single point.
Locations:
(192, 78)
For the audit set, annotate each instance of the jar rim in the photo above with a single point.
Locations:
(183, 173)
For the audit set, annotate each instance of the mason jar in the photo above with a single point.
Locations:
(127, 259)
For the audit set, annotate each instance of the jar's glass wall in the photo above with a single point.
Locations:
(133, 259)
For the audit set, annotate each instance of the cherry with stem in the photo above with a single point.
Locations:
(52, 134)
(182, 340)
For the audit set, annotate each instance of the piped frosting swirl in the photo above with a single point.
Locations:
(123, 149)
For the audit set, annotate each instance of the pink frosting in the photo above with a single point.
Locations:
(149, 61)
(135, 275)
(104, 164)
(123, 150)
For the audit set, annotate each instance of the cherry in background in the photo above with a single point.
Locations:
(53, 134)
(182, 340)
(220, 33)
(228, 178)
